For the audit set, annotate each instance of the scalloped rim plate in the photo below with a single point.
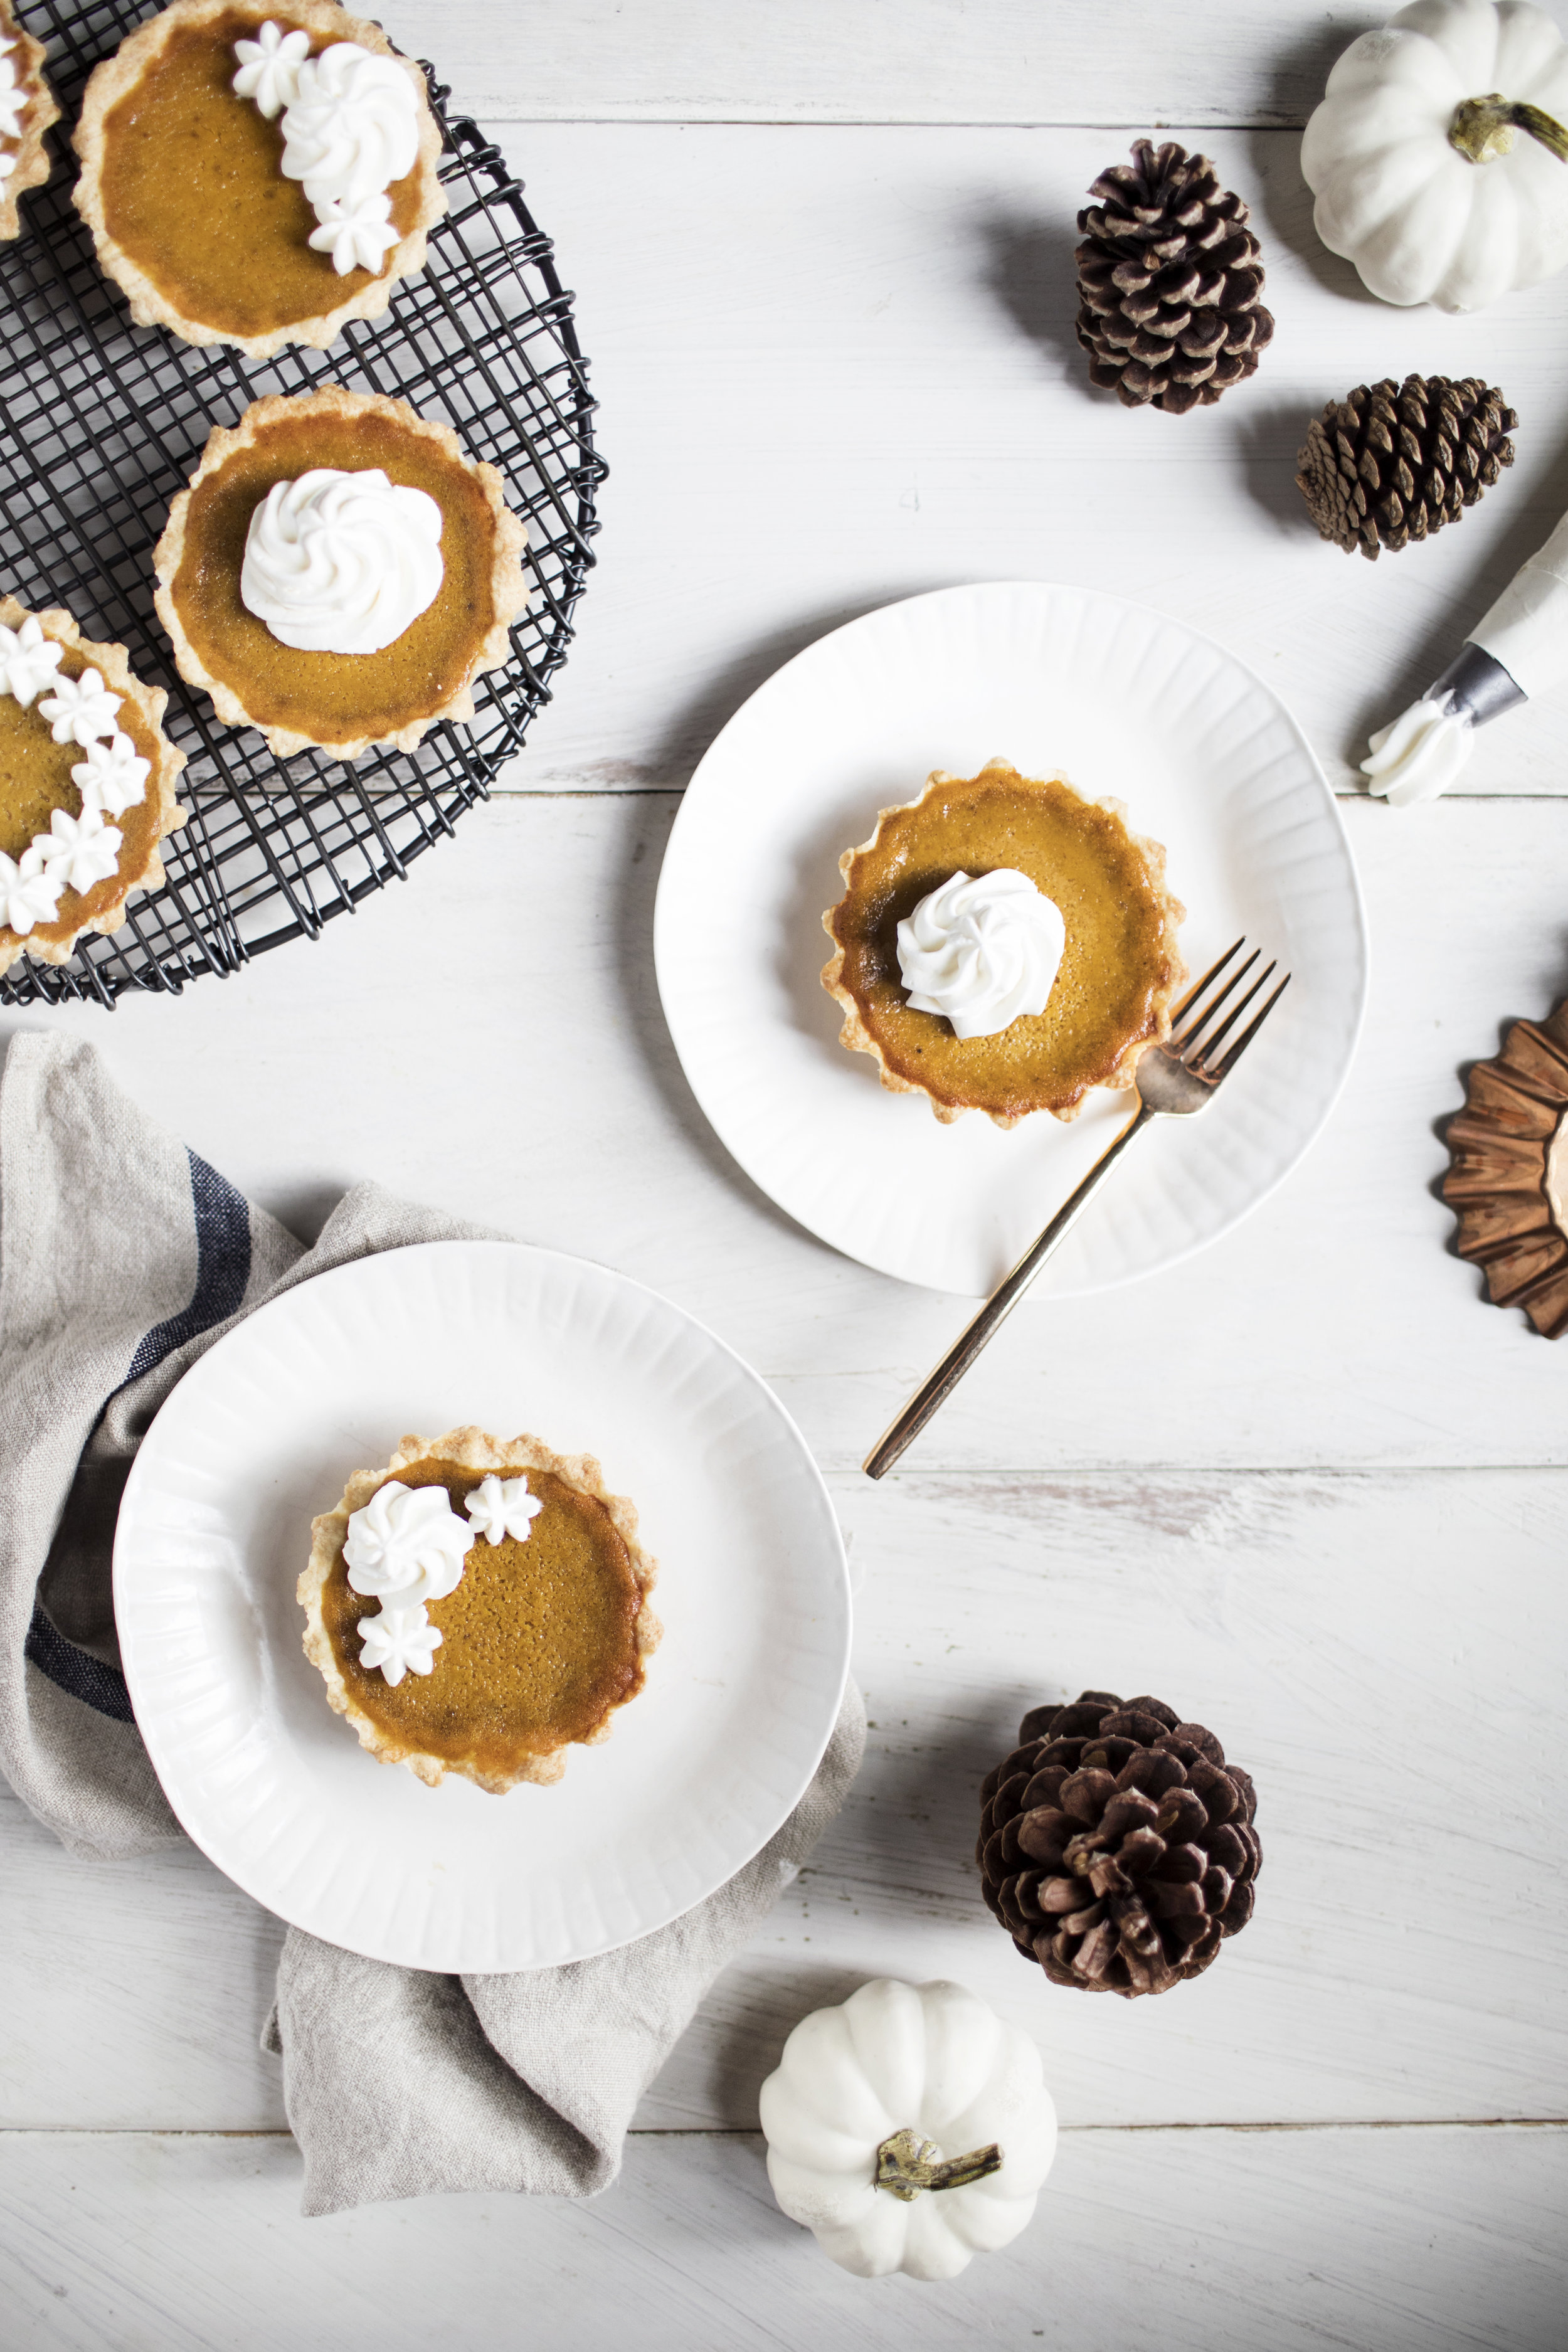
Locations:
(699, 1770)
(1119, 698)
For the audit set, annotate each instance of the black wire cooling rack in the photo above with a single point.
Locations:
(102, 423)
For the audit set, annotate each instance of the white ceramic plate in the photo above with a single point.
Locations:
(1121, 699)
(699, 1770)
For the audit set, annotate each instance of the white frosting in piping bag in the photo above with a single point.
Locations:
(342, 563)
(981, 950)
(1526, 634)
(1527, 628)
(1420, 755)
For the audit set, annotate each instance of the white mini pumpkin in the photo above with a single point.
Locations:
(1434, 156)
(860, 2089)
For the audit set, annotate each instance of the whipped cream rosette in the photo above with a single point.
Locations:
(983, 950)
(342, 563)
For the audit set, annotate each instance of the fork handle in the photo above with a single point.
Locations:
(939, 1385)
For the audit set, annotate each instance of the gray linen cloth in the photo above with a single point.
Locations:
(122, 1256)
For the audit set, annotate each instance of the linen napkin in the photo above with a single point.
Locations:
(122, 1256)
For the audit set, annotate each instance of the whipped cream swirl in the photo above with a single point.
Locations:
(981, 950)
(408, 1546)
(350, 127)
(342, 563)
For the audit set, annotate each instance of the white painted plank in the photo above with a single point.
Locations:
(1333, 1328)
(1257, 62)
(1389, 2241)
(838, 367)
(1356, 1643)
(134, 1992)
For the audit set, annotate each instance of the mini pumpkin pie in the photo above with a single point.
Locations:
(256, 175)
(27, 110)
(1003, 945)
(86, 784)
(510, 1599)
(339, 572)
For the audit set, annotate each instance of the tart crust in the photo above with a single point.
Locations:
(474, 1449)
(52, 942)
(150, 306)
(857, 1037)
(32, 166)
(507, 587)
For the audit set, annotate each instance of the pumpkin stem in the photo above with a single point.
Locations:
(906, 2164)
(1483, 127)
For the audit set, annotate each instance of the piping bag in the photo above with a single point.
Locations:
(1519, 650)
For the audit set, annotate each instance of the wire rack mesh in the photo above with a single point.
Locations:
(102, 423)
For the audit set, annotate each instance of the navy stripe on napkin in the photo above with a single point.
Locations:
(223, 1270)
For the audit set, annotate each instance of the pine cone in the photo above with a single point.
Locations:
(1170, 277)
(1117, 1847)
(1393, 462)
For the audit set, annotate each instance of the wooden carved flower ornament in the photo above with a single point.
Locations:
(909, 2130)
(1439, 155)
(1509, 1181)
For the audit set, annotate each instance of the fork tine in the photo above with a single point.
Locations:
(1178, 1011)
(1248, 1033)
(1187, 1040)
(1212, 1044)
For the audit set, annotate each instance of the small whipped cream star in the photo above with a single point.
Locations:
(13, 100)
(113, 777)
(29, 892)
(80, 709)
(28, 661)
(78, 851)
(503, 1506)
(357, 237)
(397, 1640)
(269, 67)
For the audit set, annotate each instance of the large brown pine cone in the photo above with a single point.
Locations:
(1391, 462)
(1170, 278)
(1117, 1845)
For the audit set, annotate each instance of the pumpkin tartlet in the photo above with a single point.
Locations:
(27, 110)
(540, 1640)
(183, 186)
(340, 702)
(1120, 969)
(86, 784)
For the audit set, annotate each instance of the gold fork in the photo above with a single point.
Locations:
(1174, 1080)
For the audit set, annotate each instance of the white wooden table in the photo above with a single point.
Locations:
(1308, 1486)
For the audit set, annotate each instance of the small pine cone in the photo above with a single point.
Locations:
(1170, 278)
(1117, 1845)
(1395, 461)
